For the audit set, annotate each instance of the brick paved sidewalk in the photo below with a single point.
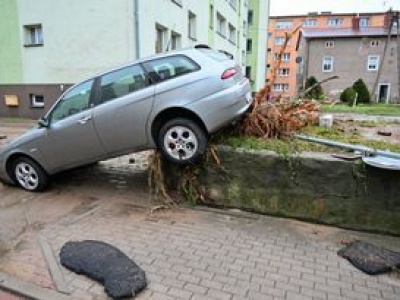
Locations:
(202, 255)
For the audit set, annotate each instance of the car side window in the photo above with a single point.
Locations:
(74, 101)
(122, 82)
(171, 67)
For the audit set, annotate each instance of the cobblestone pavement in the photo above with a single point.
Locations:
(186, 253)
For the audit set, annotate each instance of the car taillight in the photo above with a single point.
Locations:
(228, 74)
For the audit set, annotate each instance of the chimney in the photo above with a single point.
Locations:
(355, 23)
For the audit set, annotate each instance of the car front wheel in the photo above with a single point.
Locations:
(182, 141)
(29, 175)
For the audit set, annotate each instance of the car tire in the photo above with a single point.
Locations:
(29, 175)
(182, 141)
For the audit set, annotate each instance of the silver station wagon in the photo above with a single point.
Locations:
(172, 102)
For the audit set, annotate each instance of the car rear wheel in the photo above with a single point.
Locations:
(29, 175)
(182, 141)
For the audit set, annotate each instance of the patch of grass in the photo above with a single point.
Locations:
(292, 145)
(369, 109)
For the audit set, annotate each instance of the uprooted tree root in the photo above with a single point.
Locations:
(188, 183)
(267, 119)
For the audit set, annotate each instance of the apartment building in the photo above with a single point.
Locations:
(351, 54)
(285, 82)
(48, 45)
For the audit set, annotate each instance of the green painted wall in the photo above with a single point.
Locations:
(252, 57)
(10, 56)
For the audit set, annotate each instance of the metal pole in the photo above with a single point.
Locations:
(365, 150)
(137, 28)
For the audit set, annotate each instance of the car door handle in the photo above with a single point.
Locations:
(84, 120)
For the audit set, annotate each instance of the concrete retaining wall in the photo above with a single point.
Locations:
(310, 186)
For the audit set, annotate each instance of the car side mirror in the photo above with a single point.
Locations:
(43, 123)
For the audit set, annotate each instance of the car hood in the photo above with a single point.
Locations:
(20, 140)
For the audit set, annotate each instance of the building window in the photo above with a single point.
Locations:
(327, 64)
(373, 63)
(221, 25)
(374, 43)
(250, 17)
(334, 22)
(310, 23)
(33, 35)
(249, 46)
(176, 41)
(329, 44)
(279, 41)
(248, 72)
(37, 101)
(177, 2)
(284, 72)
(232, 34)
(286, 57)
(192, 25)
(364, 22)
(281, 87)
(161, 38)
(283, 25)
(244, 28)
(211, 16)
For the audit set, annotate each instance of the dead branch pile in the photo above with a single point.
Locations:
(280, 118)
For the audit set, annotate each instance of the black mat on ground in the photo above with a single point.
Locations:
(104, 263)
(369, 258)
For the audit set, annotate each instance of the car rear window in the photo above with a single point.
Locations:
(171, 66)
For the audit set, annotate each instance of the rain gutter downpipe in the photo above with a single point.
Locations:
(137, 28)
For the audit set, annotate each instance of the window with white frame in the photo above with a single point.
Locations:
(221, 25)
(161, 38)
(334, 22)
(286, 57)
(176, 41)
(279, 41)
(284, 72)
(232, 34)
(373, 62)
(33, 35)
(192, 25)
(327, 64)
(37, 101)
(310, 23)
(281, 87)
(283, 25)
(364, 22)
(329, 44)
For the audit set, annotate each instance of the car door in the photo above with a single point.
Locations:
(70, 139)
(126, 100)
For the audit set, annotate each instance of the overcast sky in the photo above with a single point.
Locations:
(296, 7)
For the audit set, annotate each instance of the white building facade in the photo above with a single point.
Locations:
(63, 42)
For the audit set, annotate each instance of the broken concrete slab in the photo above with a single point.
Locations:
(104, 263)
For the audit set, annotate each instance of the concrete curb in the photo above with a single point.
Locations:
(29, 290)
